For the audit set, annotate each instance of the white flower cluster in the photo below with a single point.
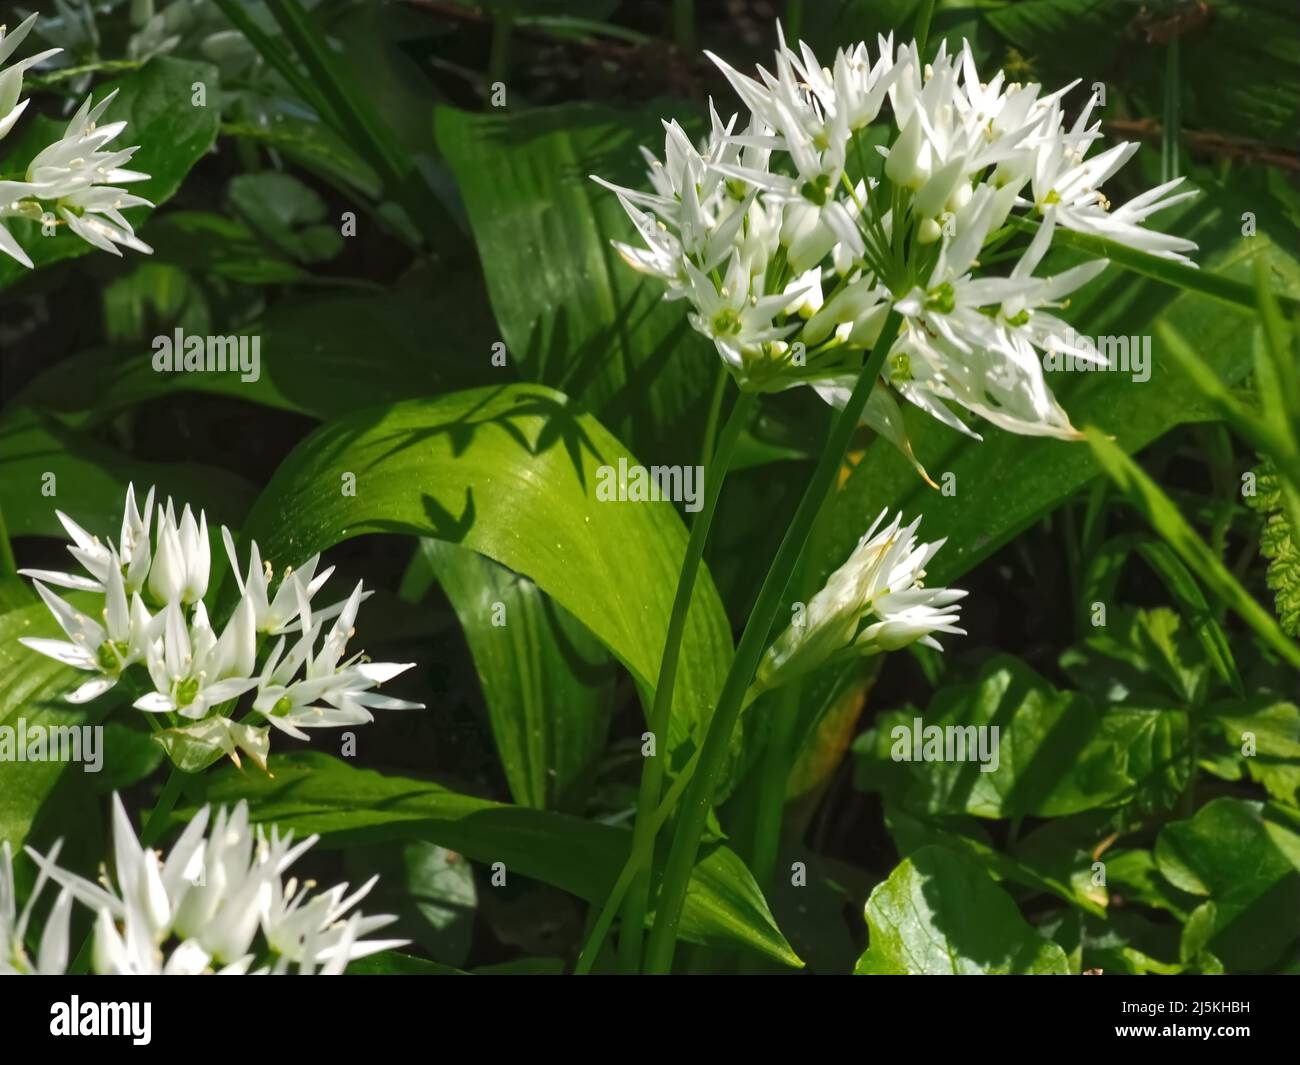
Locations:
(875, 602)
(199, 910)
(791, 241)
(73, 180)
(152, 584)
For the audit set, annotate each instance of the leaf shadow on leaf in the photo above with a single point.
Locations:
(560, 425)
(443, 524)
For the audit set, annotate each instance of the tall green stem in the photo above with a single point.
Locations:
(1178, 275)
(157, 820)
(1172, 115)
(777, 760)
(714, 415)
(636, 862)
(921, 28)
(778, 755)
(691, 824)
(652, 773)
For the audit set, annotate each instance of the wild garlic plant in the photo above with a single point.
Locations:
(840, 236)
(791, 243)
(73, 181)
(150, 628)
(875, 602)
(218, 902)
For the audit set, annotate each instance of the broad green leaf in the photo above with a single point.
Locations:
(1003, 484)
(320, 357)
(173, 134)
(31, 705)
(1245, 858)
(547, 683)
(313, 793)
(939, 914)
(1056, 752)
(311, 145)
(511, 473)
(286, 213)
(46, 467)
(90, 479)
(573, 315)
(130, 754)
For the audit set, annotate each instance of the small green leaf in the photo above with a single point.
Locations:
(1053, 752)
(940, 914)
(1245, 858)
(286, 213)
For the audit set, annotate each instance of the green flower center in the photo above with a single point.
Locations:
(186, 691)
(282, 706)
(900, 367)
(817, 190)
(726, 323)
(111, 655)
(941, 299)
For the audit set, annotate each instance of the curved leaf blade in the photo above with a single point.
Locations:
(314, 793)
(511, 473)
